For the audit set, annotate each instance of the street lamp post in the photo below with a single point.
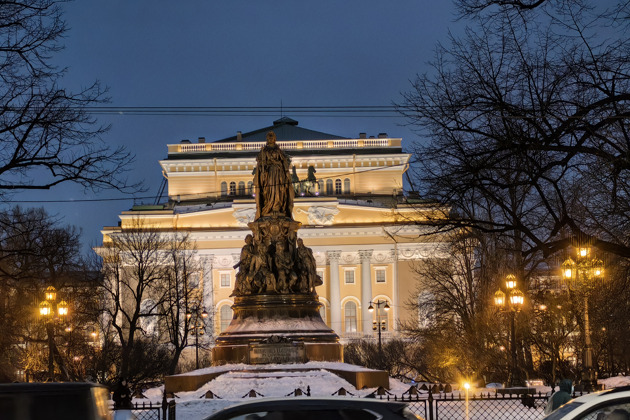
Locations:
(197, 329)
(581, 273)
(378, 325)
(51, 311)
(511, 303)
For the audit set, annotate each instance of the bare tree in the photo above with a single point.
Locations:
(528, 115)
(36, 252)
(47, 136)
(148, 284)
(183, 294)
(452, 300)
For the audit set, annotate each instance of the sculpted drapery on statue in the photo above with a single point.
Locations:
(274, 191)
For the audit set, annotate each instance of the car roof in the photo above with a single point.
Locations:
(609, 394)
(313, 403)
(46, 386)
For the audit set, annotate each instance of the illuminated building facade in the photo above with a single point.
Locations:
(348, 199)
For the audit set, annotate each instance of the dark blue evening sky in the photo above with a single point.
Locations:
(237, 53)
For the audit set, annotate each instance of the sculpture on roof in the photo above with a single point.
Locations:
(274, 188)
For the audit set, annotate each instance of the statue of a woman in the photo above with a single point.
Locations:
(274, 190)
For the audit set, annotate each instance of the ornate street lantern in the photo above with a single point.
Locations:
(50, 293)
(499, 298)
(45, 309)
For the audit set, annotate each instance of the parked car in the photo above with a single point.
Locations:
(312, 408)
(613, 404)
(54, 401)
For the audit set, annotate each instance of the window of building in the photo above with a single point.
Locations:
(329, 187)
(349, 276)
(320, 273)
(321, 186)
(225, 316)
(346, 186)
(350, 316)
(232, 188)
(225, 279)
(223, 189)
(241, 188)
(322, 311)
(382, 318)
(380, 275)
(193, 280)
(250, 184)
(338, 186)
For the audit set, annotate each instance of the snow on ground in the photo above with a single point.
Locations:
(275, 381)
(615, 381)
(239, 379)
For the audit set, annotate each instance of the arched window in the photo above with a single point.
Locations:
(381, 317)
(241, 188)
(322, 312)
(329, 187)
(225, 316)
(223, 189)
(321, 186)
(337, 186)
(346, 186)
(148, 323)
(250, 184)
(232, 188)
(351, 316)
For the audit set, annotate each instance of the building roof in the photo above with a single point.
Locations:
(285, 129)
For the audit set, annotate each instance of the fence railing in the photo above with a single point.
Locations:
(475, 407)
(153, 411)
(430, 406)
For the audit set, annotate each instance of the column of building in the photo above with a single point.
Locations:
(335, 294)
(366, 290)
(208, 291)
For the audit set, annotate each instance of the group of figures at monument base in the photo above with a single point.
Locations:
(279, 267)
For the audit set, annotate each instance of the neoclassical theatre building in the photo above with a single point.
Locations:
(348, 200)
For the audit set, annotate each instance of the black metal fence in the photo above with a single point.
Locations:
(154, 411)
(475, 407)
(441, 406)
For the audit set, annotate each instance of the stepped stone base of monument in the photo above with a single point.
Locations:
(358, 376)
(268, 329)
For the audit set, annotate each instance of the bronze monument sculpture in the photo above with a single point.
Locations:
(276, 309)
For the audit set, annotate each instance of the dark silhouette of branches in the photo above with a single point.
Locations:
(528, 119)
(46, 135)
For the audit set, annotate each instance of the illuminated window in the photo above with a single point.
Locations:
(338, 186)
(380, 275)
(232, 188)
(241, 188)
(320, 273)
(225, 315)
(351, 317)
(382, 318)
(329, 187)
(349, 276)
(346, 186)
(225, 279)
(322, 311)
(223, 189)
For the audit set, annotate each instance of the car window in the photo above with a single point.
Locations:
(342, 414)
(564, 410)
(618, 411)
